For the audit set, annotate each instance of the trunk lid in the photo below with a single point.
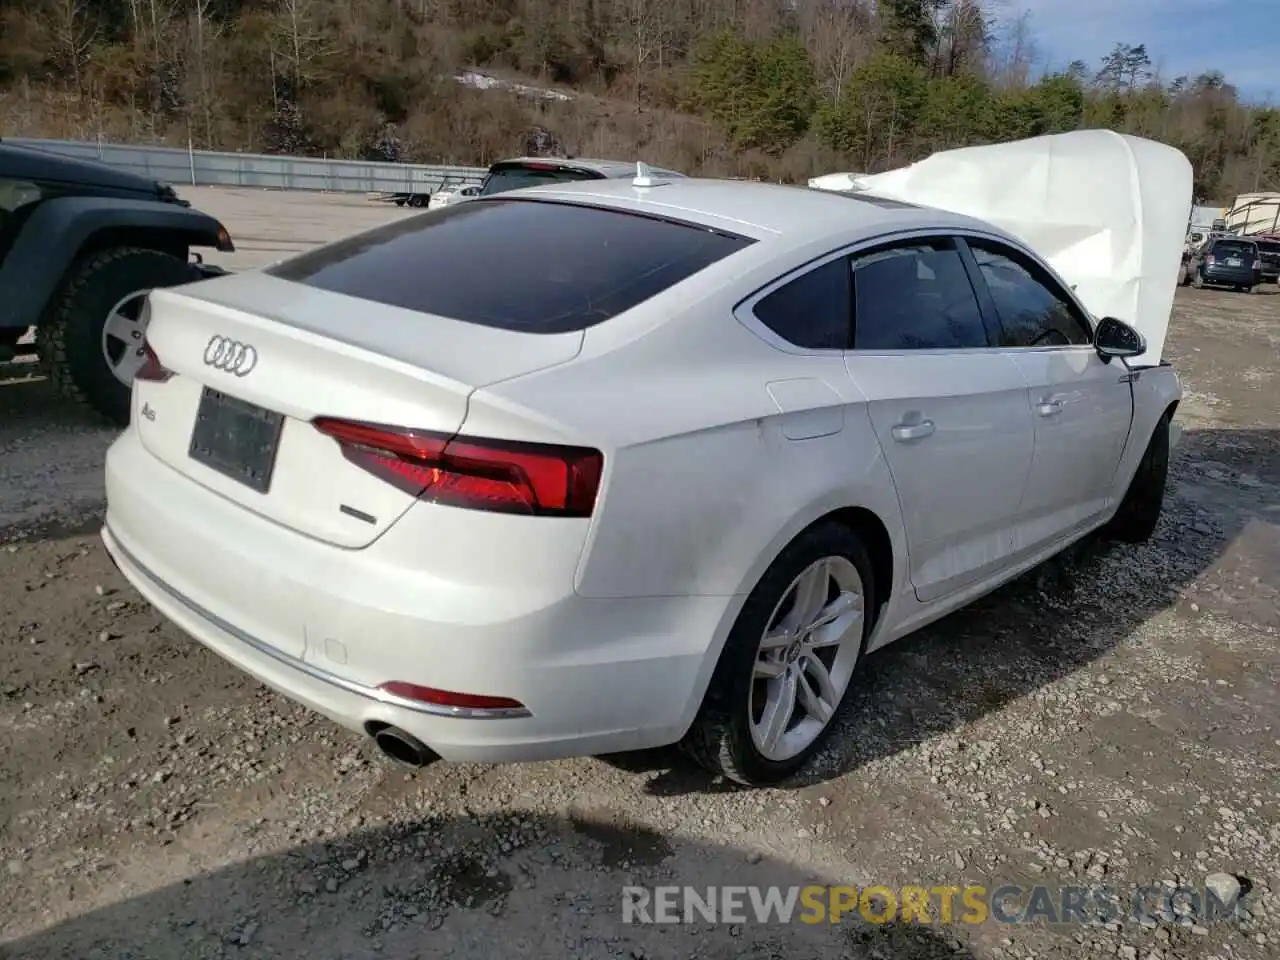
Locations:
(318, 353)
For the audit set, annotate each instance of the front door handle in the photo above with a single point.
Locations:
(906, 432)
(1049, 408)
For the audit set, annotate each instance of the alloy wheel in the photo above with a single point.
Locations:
(806, 658)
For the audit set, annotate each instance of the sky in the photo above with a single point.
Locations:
(1239, 37)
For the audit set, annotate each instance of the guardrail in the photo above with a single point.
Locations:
(209, 168)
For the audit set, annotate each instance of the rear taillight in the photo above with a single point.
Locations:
(1257, 264)
(1209, 261)
(503, 476)
(152, 370)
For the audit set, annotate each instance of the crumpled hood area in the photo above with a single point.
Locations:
(1108, 211)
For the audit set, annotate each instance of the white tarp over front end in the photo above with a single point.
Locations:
(1107, 211)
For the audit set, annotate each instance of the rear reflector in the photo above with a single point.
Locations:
(446, 698)
(503, 476)
(152, 370)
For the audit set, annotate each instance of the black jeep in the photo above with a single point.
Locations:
(81, 244)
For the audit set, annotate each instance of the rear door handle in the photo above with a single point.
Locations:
(1049, 408)
(906, 432)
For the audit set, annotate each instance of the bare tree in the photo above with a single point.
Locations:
(73, 28)
(964, 36)
(1020, 51)
(203, 32)
(839, 32)
(302, 41)
(643, 26)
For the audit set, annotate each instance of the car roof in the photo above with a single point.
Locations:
(762, 211)
(606, 168)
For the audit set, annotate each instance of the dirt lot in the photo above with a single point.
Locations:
(1111, 719)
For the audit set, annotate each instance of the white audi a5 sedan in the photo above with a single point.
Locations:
(661, 463)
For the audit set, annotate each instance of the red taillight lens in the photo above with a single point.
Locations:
(447, 698)
(1257, 264)
(152, 370)
(1209, 261)
(503, 476)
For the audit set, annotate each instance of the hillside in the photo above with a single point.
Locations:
(775, 88)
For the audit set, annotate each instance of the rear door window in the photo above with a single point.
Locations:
(522, 265)
(916, 296)
(513, 176)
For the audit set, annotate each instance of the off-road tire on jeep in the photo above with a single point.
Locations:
(720, 738)
(70, 335)
(1135, 521)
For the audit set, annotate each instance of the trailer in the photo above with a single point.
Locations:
(415, 199)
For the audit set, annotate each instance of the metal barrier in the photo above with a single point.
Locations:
(208, 168)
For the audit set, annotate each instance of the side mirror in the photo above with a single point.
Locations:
(1115, 338)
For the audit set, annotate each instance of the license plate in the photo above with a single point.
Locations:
(1233, 261)
(237, 439)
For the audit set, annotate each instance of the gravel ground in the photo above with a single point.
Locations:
(1109, 719)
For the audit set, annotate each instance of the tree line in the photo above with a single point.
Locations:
(777, 89)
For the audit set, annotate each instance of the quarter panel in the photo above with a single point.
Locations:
(701, 514)
(701, 477)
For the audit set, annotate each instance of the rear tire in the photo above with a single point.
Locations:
(73, 347)
(727, 737)
(1139, 512)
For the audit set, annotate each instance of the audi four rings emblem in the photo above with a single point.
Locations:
(232, 356)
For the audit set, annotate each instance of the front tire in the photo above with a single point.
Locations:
(1139, 512)
(93, 333)
(784, 676)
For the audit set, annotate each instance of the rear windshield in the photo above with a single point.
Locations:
(1234, 248)
(504, 177)
(522, 265)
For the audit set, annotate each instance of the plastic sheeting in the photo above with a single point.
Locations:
(1107, 211)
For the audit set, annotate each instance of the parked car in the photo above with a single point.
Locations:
(1226, 262)
(535, 171)
(667, 475)
(81, 244)
(447, 195)
(1269, 254)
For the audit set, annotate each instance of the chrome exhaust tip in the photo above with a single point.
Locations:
(403, 748)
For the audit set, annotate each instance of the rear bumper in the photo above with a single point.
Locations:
(1226, 275)
(595, 676)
